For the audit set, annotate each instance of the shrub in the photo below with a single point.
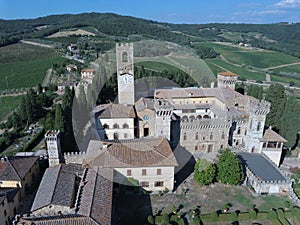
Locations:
(158, 219)
(165, 218)
(252, 215)
(151, 219)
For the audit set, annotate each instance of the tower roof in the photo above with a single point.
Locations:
(228, 74)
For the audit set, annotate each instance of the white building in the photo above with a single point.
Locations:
(115, 121)
(148, 161)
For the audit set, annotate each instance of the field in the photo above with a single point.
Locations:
(8, 104)
(251, 63)
(218, 65)
(24, 65)
(193, 66)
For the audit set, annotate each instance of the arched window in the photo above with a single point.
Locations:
(184, 137)
(116, 126)
(184, 118)
(239, 130)
(206, 116)
(106, 126)
(223, 135)
(258, 126)
(116, 136)
(125, 126)
(199, 117)
(197, 136)
(211, 136)
(192, 118)
(124, 56)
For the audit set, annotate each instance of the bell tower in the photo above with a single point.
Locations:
(125, 73)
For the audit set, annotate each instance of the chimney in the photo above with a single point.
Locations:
(212, 84)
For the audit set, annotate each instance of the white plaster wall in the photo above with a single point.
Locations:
(121, 131)
(274, 155)
(167, 176)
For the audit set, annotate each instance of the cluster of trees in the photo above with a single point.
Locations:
(284, 114)
(228, 170)
(61, 119)
(31, 109)
(205, 52)
(284, 111)
(255, 91)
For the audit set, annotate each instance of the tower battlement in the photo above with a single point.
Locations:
(52, 134)
(227, 80)
(258, 107)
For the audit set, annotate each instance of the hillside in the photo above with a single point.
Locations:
(280, 37)
(250, 50)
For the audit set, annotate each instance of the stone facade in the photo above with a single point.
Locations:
(125, 73)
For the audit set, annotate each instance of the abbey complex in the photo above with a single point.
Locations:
(141, 141)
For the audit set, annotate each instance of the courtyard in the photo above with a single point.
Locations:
(134, 209)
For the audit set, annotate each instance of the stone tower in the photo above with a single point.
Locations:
(125, 73)
(163, 113)
(53, 147)
(258, 109)
(227, 80)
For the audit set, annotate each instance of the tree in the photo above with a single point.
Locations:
(290, 121)
(277, 97)
(230, 169)
(59, 118)
(205, 172)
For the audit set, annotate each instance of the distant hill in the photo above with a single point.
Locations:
(280, 37)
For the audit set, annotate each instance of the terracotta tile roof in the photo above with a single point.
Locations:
(112, 110)
(58, 220)
(228, 74)
(131, 153)
(96, 198)
(16, 167)
(271, 135)
(223, 94)
(144, 103)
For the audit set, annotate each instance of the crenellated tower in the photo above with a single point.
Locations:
(125, 73)
(163, 113)
(258, 110)
(53, 147)
(227, 80)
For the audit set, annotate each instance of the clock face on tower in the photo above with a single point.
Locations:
(126, 78)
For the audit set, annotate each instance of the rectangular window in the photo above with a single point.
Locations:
(158, 171)
(158, 184)
(129, 173)
(144, 172)
(144, 184)
(196, 148)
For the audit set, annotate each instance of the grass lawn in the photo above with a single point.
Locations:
(8, 104)
(24, 65)
(135, 209)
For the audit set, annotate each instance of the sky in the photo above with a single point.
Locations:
(173, 11)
